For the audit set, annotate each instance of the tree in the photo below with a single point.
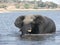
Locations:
(53, 5)
(3, 6)
(35, 4)
(42, 4)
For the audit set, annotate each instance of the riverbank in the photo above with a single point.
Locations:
(2, 10)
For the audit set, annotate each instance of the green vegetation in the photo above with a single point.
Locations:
(17, 6)
(3, 6)
(42, 5)
(53, 5)
(26, 6)
(48, 5)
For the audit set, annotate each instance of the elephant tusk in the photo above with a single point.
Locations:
(29, 30)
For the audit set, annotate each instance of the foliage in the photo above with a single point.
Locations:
(53, 5)
(17, 6)
(26, 6)
(42, 4)
(49, 5)
(3, 6)
(36, 4)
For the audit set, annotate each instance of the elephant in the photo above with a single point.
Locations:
(35, 24)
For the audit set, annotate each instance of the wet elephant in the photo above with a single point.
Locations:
(35, 24)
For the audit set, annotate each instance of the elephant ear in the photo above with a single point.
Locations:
(39, 19)
(19, 21)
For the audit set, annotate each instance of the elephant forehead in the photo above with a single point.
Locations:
(28, 19)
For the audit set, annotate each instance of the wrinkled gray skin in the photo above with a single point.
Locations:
(39, 25)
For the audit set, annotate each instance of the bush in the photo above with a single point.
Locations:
(53, 5)
(26, 6)
(3, 6)
(17, 6)
(42, 5)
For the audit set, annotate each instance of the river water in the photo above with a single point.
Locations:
(10, 35)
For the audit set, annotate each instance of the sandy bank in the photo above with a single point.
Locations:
(2, 10)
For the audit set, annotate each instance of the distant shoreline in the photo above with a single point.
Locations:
(2, 10)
